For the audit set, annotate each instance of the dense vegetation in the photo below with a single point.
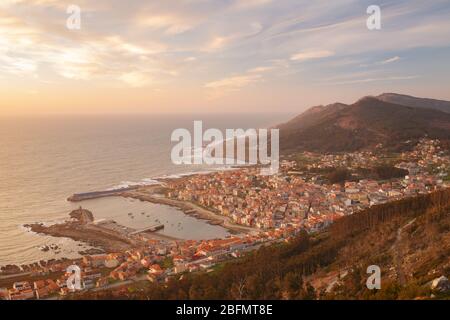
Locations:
(343, 174)
(411, 236)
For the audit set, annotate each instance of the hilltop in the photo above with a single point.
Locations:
(369, 123)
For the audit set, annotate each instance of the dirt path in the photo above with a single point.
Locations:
(399, 251)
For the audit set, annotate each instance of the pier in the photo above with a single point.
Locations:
(153, 228)
(99, 194)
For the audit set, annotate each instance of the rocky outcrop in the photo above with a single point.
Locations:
(441, 284)
(82, 215)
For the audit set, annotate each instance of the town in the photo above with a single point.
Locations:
(274, 208)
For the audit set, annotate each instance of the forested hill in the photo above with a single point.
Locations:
(409, 239)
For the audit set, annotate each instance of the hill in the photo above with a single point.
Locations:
(363, 125)
(415, 102)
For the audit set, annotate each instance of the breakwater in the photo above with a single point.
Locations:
(99, 194)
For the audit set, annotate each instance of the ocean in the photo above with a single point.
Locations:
(45, 159)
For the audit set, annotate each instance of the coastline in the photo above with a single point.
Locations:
(104, 236)
(82, 228)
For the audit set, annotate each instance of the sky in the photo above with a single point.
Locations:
(217, 56)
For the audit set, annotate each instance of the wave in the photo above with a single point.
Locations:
(156, 180)
(127, 184)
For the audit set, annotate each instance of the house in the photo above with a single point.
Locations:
(89, 284)
(122, 275)
(394, 193)
(21, 295)
(91, 276)
(63, 291)
(193, 268)
(111, 263)
(236, 254)
(95, 261)
(21, 285)
(179, 268)
(151, 278)
(146, 262)
(114, 274)
(161, 251)
(39, 284)
(206, 265)
(4, 294)
(178, 259)
(155, 269)
(102, 282)
(52, 286)
(62, 282)
(42, 293)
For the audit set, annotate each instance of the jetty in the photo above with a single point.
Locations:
(99, 194)
(153, 228)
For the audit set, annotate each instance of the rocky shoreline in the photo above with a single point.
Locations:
(81, 228)
(12, 270)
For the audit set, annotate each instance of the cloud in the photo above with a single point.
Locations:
(17, 65)
(143, 43)
(248, 4)
(135, 79)
(217, 89)
(220, 42)
(260, 69)
(217, 43)
(170, 24)
(380, 79)
(235, 82)
(311, 55)
(390, 60)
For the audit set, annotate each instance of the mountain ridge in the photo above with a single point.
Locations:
(365, 124)
(411, 101)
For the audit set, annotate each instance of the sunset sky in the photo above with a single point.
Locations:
(180, 56)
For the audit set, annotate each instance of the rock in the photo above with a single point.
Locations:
(82, 215)
(441, 284)
(10, 269)
(91, 251)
